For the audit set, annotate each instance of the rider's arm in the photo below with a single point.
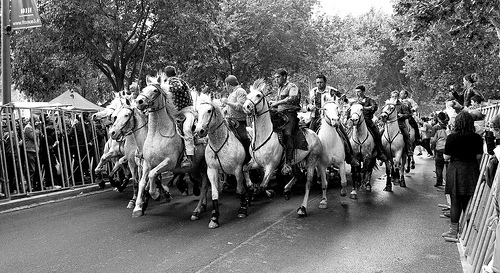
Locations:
(241, 97)
(293, 93)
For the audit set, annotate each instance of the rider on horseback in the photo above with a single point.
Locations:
(369, 108)
(182, 100)
(288, 103)
(413, 108)
(235, 115)
(317, 98)
(404, 113)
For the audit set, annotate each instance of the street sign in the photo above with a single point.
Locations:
(24, 14)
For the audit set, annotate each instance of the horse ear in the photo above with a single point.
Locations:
(127, 101)
(149, 80)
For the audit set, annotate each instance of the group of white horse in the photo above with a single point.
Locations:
(145, 136)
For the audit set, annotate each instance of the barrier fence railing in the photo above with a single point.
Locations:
(47, 148)
(477, 238)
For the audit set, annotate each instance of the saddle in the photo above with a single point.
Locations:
(279, 121)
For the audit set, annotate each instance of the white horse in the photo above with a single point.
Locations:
(164, 146)
(131, 125)
(224, 154)
(267, 152)
(393, 145)
(363, 146)
(333, 149)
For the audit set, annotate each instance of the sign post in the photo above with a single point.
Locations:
(24, 15)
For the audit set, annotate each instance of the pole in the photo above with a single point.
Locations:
(6, 28)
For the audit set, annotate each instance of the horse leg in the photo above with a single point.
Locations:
(138, 209)
(302, 210)
(213, 176)
(412, 162)
(268, 171)
(402, 182)
(407, 166)
(202, 203)
(356, 177)
(133, 171)
(288, 188)
(388, 173)
(153, 189)
(323, 204)
(240, 189)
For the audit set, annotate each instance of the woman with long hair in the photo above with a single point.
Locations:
(463, 149)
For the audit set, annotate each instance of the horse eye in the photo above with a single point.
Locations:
(209, 111)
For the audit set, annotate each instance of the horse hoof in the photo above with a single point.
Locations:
(402, 184)
(242, 212)
(288, 195)
(301, 211)
(155, 195)
(270, 193)
(413, 165)
(168, 197)
(102, 184)
(368, 187)
(213, 224)
(137, 213)
(131, 204)
(323, 204)
(115, 189)
(185, 193)
(195, 216)
(388, 189)
(204, 207)
(353, 196)
(343, 192)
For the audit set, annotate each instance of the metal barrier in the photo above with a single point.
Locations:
(476, 238)
(46, 149)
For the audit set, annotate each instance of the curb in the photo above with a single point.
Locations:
(47, 198)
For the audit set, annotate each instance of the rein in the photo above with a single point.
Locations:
(255, 115)
(133, 130)
(216, 152)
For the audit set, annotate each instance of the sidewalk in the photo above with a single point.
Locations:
(50, 197)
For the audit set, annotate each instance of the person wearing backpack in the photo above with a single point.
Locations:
(438, 141)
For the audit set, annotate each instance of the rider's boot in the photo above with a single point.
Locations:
(187, 162)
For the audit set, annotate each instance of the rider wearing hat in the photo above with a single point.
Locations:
(234, 108)
(182, 100)
(288, 103)
(317, 98)
(369, 108)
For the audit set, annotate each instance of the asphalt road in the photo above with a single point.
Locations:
(378, 232)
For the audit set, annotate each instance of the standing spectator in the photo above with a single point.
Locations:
(426, 132)
(470, 90)
(31, 141)
(463, 149)
(437, 142)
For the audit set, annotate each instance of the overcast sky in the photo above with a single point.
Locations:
(354, 7)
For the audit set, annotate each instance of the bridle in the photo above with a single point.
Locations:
(149, 101)
(216, 151)
(133, 121)
(255, 104)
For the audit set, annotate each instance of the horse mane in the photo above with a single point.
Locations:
(258, 85)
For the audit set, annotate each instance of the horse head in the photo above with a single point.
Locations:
(356, 115)
(330, 113)
(124, 123)
(256, 102)
(209, 118)
(388, 112)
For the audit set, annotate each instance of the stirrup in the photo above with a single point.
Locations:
(286, 170)
(187, 163)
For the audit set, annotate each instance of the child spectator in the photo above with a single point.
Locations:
(437, 142)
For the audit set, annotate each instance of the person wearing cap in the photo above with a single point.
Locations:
(403, 95)
(288, 103)
(317, 97)
(181, 98)
(370, 106)
(439, 134)
(234, 109)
